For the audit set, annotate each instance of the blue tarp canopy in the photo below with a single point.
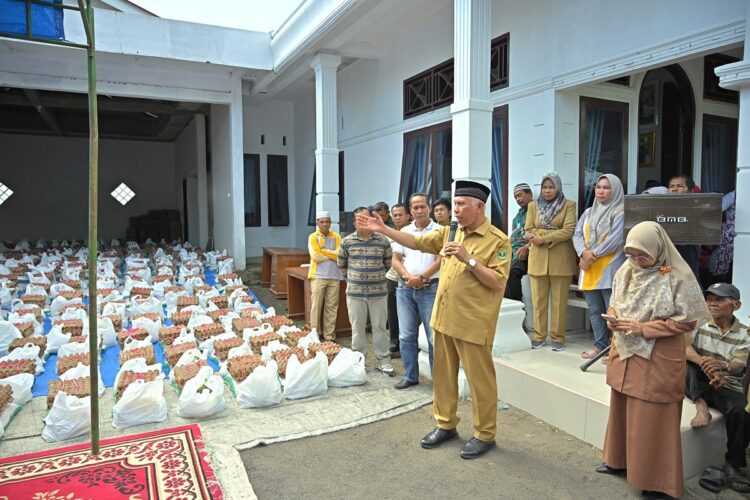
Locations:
(46, 21)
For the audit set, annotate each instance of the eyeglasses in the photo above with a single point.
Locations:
(639, 258)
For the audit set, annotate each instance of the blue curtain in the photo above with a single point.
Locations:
(443, 142)
(719, 164)
(592, 152)
(252, 190)
(416, 169)
(311, 210)
(496, 179)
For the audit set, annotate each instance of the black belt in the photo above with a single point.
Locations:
(433, 281)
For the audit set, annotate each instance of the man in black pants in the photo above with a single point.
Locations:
(520, 263)
(717, 355)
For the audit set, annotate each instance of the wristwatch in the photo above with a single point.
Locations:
(472, 263)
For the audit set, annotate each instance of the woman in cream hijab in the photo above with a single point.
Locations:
(655, 301)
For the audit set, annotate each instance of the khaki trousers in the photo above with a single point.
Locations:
(378, 311)
(324, 307)
(544, 288)
(476, 359)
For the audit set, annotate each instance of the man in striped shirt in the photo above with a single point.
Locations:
(363, 259)
(717, 354)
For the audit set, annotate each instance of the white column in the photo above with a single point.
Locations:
(227, 177)
(326, 138)
(472, 109)
(200, 147)
(472, 134)
(736, 76)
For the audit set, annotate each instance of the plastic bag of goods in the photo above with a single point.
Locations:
(202, 396)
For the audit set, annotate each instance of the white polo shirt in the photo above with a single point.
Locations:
(414, 261)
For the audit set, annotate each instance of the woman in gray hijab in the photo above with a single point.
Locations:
(599, 240)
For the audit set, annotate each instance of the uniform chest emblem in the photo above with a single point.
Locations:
(502, 254)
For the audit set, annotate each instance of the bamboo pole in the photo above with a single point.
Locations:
(87, 14)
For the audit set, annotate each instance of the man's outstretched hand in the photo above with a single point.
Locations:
(372, 223)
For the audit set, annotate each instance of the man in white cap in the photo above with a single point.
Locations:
(324, 276)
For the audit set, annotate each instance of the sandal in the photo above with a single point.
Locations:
(590, 353)
(736, 479)
(712, 479)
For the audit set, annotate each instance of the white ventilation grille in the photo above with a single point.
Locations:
(123, 194)
(5, 193)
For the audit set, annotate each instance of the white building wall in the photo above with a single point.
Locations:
(549, 45)
(190, 164)
(550, 38)
(49, 177)
(227, 197)
(304, 155)
(273, 120)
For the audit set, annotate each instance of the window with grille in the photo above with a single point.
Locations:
(433, 88)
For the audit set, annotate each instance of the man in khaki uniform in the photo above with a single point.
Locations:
(473, 273)
(324, 276)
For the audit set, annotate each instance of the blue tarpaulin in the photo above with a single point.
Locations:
(46, 21)
(110, 357)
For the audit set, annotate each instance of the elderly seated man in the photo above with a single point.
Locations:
(717, 354)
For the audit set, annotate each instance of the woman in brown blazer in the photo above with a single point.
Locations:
(655, 301)
(550, 224)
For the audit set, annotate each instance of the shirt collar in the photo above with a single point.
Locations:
(482, 229)
(428, 227)
(735, 328)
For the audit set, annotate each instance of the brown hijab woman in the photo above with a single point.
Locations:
(655, 301)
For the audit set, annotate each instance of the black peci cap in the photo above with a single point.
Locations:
(472, 189)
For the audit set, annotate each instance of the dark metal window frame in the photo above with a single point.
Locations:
(433, 88)
(277, 172)
(499, 62)
(249, 221)
(711, 88)
(431, 131)
(609, 105)
(503, 111)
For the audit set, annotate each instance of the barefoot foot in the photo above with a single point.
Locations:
(701, 419)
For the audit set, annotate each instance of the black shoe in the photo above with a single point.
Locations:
(395, 353)
(475, 448)
(606, 469)
(405, 384)
(437, 437)
(654, 494)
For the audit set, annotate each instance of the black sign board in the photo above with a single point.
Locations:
(689, 219)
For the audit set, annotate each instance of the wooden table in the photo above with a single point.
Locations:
(275, 261)
(300, 300)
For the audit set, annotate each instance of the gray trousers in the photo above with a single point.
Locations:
(378, 311)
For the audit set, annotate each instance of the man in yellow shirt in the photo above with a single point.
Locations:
(324, 276)
(473, 273)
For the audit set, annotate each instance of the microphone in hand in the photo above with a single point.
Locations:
(452, 231)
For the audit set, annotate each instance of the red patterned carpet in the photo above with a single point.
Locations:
(165, 464)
